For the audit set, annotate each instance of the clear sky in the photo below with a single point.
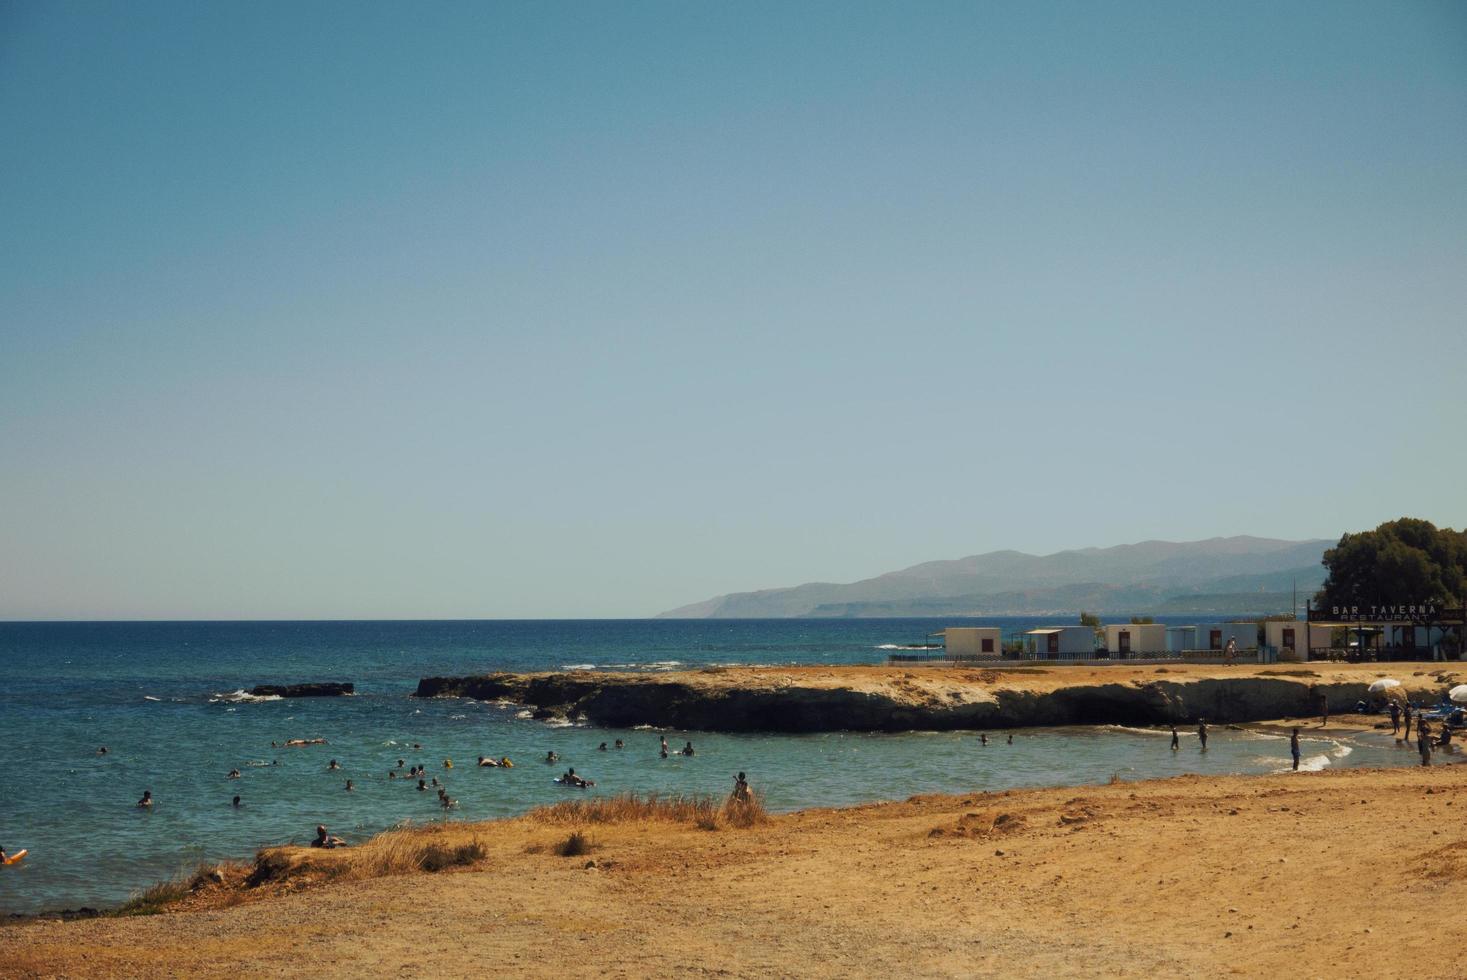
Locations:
(595, 309)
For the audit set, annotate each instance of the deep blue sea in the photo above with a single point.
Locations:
(165, 699)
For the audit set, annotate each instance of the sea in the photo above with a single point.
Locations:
(169, 701)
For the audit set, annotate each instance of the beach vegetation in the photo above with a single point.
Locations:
(578, 844)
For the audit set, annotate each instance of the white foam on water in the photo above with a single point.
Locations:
(558, 723)
(457, 717)
(901, 646)
(526, 713)
(579, 667)
(149, 697)
(1142, 731)
(240, 696)
(1340, 751)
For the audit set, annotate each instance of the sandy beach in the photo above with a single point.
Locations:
(1309, 874)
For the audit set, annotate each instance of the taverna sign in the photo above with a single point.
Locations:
(1403, 613)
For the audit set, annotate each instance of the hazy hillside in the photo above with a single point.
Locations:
(1150, 576)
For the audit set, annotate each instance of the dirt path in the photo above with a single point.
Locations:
(1311, 874)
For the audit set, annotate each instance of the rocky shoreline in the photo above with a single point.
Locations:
(796, 699)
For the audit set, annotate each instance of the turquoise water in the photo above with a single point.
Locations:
(162, 697)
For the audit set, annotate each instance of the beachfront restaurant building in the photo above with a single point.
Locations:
(973, 642)
(1061, 641)
(1135, 639)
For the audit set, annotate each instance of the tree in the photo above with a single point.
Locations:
(1142, 620)
(1407, 561)
(1093, 621)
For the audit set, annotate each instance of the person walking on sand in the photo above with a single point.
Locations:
(1323, 710)
(1176, 739)
(983, 738)
(1294, 748)
(1202, 733)
(1230, 652)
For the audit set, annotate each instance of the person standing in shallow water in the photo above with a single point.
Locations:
(1423, 741)
(1176, 739)
(1202, 733)
(1294, 748)
(1395, 718)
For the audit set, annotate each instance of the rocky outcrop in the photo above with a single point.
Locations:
(324, 689)
(780, 702)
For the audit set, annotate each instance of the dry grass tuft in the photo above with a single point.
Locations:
(576, 845)
(629, 807)
(166, 894)
(744, 813)
(405, 850)
(700, 811)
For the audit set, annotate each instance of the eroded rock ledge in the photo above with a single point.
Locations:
(324, 689)
(894, 699)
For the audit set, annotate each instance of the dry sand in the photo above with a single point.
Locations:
(1308, 874)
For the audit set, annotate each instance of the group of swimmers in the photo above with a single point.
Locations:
(687, 749)
(983, 738)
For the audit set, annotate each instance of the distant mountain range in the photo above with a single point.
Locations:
(1223, 575)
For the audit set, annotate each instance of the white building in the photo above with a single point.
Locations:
(1135, 639)
(1215, 636)
(1180, 639)
(1062, 641)
(1293, 639)
(973, 642)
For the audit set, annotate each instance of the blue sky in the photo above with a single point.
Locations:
(320, 310)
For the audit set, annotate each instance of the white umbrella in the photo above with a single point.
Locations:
(1458, 694)
(1386, 683)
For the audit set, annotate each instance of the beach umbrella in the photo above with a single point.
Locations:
(1385, 684)
(1458, 694)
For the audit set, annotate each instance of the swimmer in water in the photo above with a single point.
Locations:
(504, 763)
(400, 763)
(618, 744)
(484, 763)
(435, 780)
(601, 747)
(422, 786)
(688, 749)
(102, 750)
(983, 739)
(418, 745)
(236, 804)
(233, 774)
(391, 774)
(324, 839)
(1011, 738)
(447, 763)
(349, 786)
(551, 757)
(571, 779)
(664, 746)
(333, 764)
(147, 801)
